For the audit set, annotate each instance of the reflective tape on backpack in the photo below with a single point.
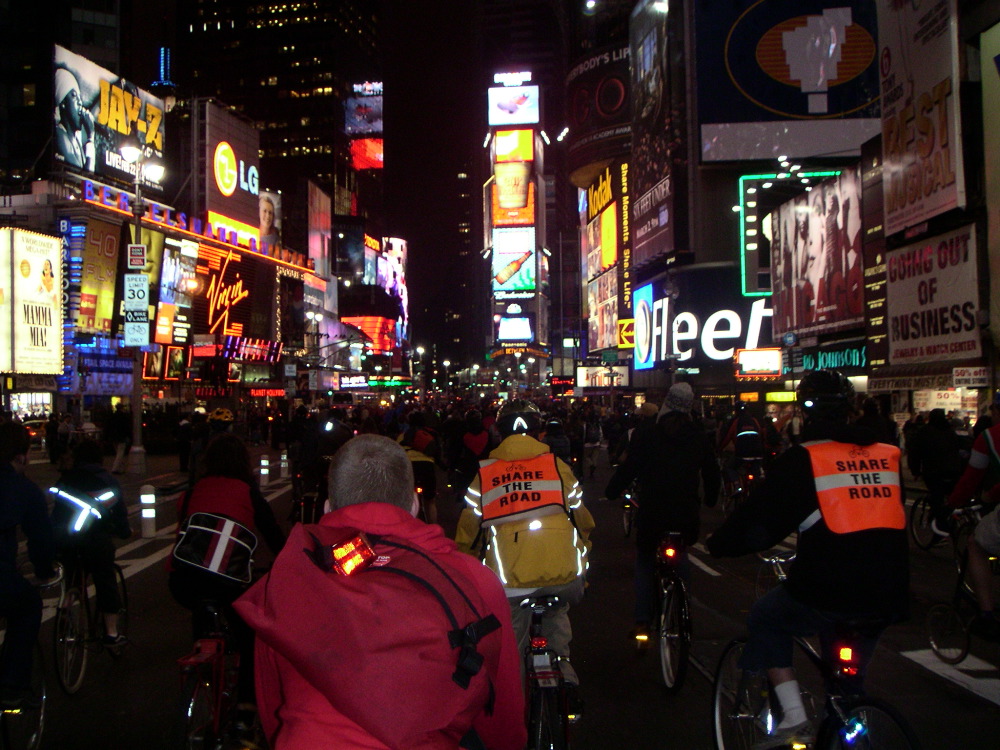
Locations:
(525, 487)
(857, 485)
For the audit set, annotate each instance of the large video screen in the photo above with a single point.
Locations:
(177, 285)
(363, 115)
(96, 112)
(514, 145)
(816, 265)
(513, 260)
(513, 105)
(602, 301)
(366, 153)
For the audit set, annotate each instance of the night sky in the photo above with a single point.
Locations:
(430, 92)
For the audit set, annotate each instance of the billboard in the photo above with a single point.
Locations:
(177, 284)
(98, 275)
(235, 294)
(789, 77)
(932, 299)
(269, 211)
(922, 164)
(514, 327)
(656, 135)
(602, 304)
(513, 105)
(391, 276)
(232, 147)
(96, 113)
(600, 110)
(690, 328)
(600, 232)
(363, 115)
(31, 340)
(513, 145)
(381, 331)
(990, 61)
(512, 217)
(816, 262)
(513, 262)
(366, 153)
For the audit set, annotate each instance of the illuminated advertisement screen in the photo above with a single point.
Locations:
(514, 145)
(512, 217)
(235, 294)
(513, 260)
(6, 292)
(175, 363)
(394, 251)
(36, 266)
(99, 272)
(96, 111)
(363, 115)
(380, 330)
(251, 350)
(757, 362)
(601, 241)
(152, 365)
(232, 153)
(366, 153)
(515, 328)
(602, 303)
(817, 282)
(269, 206)
(177, 284)
(513, 105)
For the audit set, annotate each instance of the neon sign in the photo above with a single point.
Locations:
(223, 297)
(231, 172)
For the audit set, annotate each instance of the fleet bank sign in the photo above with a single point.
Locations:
(666, 329)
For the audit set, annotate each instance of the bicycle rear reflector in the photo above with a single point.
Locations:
(846, 655)
(352, 555)
(539, 641)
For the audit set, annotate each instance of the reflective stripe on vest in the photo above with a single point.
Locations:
(857, 485)
(514, 489)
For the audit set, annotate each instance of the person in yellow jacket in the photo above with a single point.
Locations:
(525, 519)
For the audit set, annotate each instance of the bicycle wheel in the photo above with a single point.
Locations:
(870, 725)
(548, 727)
(948, 633)
(675, 635)
(960, 544)
(921, 515)
(22, 729)
(740, 712)
(70, 640)
(196, 716)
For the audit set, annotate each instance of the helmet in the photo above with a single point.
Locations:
(518, 416)
(554, 426)
(221, 415)
(826, 394)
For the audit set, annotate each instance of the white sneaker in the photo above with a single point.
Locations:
(785, 737)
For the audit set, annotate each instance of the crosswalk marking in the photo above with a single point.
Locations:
(963, 673)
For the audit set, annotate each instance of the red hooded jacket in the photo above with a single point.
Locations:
(318, 632)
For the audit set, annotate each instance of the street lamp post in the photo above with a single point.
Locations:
(133, 154)
(447, 381)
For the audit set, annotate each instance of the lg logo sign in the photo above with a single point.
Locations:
(232, 173)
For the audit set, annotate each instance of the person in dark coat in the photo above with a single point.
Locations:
(670, 458)
(937, 454)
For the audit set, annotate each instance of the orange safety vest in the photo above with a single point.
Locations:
(857, 485)
(518, 488)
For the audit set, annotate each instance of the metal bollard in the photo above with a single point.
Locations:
(265, 470)
(147, 503)
(284, 464)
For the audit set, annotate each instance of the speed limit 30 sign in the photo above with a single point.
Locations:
(136, 291)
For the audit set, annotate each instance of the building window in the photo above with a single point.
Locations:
(28, 95)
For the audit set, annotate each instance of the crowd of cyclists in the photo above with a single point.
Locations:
(517, 468)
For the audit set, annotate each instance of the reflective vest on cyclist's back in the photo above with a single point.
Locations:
(857, 485)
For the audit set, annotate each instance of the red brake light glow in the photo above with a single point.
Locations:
(846, 653)
(539, 642)
(352, 555)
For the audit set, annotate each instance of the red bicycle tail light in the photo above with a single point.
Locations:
(539, 641)
(846, 653)
(352, 555)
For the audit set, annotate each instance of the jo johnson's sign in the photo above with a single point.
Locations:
(663, 332)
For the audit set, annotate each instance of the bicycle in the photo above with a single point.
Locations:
(79, 627)
(742, 703)
(674, 626)
(546, 703)
(738, 482)
(209, 676)
(22, 728)
(949, 623)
